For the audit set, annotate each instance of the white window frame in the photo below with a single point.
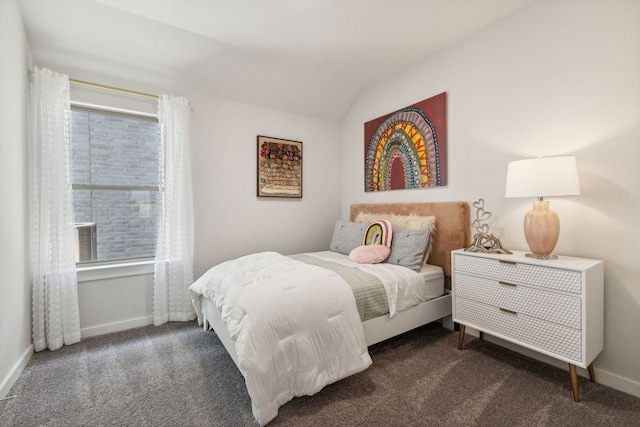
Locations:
(90, 271)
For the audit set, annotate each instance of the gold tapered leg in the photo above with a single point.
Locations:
(461, 338)
(574, 382)
(592, 376)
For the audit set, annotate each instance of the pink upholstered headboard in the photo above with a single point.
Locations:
(452, 225)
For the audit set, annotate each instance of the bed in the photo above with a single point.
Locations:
(338, 340)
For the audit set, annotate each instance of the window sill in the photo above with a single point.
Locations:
(109, 271)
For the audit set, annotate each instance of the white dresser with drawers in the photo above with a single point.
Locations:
(554, 307)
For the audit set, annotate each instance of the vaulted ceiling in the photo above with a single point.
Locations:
(312, 57)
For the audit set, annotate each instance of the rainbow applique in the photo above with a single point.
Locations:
(378, 233)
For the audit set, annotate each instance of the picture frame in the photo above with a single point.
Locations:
(279, 167)
(407, 149)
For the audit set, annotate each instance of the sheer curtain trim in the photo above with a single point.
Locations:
(56, 319)
(173, 269)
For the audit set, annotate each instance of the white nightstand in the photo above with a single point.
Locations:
(554, 307)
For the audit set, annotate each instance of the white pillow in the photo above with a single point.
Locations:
(408, 222)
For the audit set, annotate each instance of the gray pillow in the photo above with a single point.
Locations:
(409, 247)
(347, 236)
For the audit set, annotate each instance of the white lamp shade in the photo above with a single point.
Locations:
(543, 177)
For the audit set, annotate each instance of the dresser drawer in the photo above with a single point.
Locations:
(552, 278)
(545, 305)
(530, 331)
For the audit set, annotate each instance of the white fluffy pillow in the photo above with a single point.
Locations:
(369, 254)
(408, 222)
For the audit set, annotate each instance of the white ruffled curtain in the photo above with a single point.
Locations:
(174, 246)
(56, 318)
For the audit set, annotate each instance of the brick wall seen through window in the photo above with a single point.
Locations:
(115, 182)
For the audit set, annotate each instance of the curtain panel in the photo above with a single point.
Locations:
(56, 319)
(173, 270)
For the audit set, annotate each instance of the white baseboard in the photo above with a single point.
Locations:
(18, 367)
(15, 372)
(108, 328)
(616, 381)
(603, 377)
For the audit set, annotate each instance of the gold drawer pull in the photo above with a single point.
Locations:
(507, 311)
(502, 261)
(508, 284)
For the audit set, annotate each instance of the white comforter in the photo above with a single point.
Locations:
(403, 286)
(296, 326)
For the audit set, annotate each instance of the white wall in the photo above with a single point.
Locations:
(15, 289)
(229, 219)
(556, 77)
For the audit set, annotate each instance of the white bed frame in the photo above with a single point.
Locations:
(452, 229)
(375, 330)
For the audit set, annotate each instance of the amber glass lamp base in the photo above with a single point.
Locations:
(541, 229)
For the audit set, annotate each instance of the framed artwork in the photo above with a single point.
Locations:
(407, 148)
(279, 167)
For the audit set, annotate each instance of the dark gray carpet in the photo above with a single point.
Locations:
(178, 375)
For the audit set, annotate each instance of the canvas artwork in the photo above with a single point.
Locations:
(407, 148)
(279, 167)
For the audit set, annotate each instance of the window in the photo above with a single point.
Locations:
(115, 184)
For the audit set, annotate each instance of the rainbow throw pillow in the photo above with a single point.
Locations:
(378, 233)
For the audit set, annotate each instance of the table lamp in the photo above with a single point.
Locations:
(542, 177)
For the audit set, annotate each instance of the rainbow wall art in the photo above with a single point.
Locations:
(407, 148)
